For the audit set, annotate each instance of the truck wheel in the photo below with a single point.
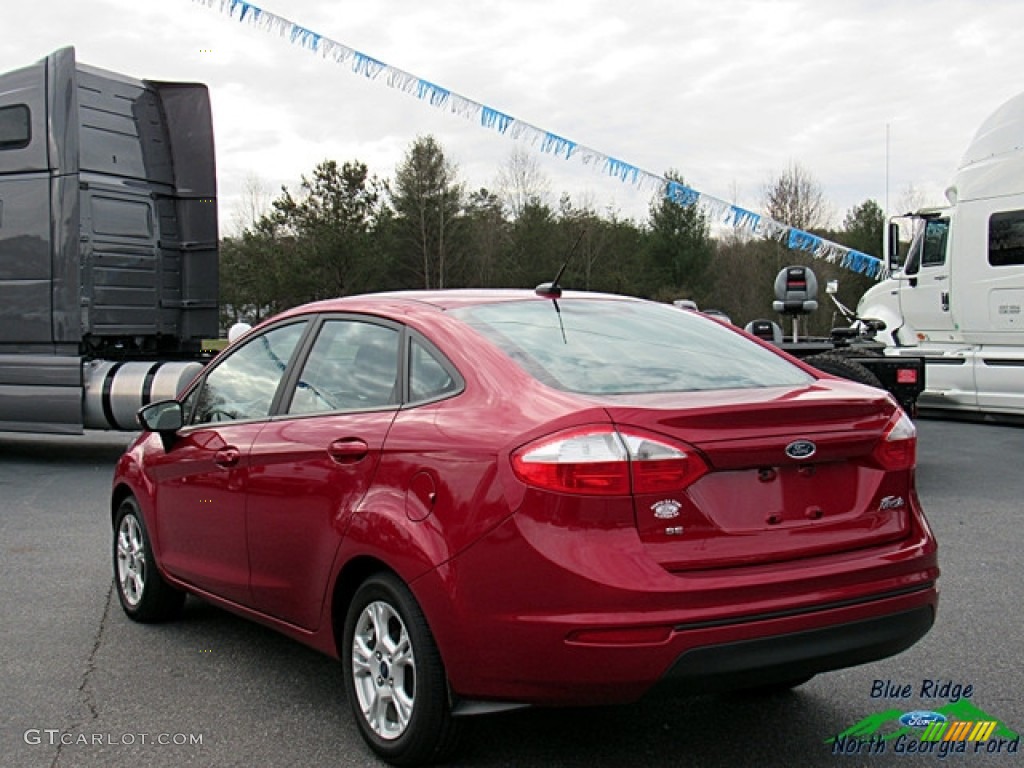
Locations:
(144, 595)
(837, 365)
(394, 676)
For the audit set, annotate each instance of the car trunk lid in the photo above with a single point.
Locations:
(791, 474)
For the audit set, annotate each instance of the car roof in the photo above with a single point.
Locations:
(439, 299)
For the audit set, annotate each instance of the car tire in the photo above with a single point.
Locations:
(837, 365)
(144, 595)
(394, 676)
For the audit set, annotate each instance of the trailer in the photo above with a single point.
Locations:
(851, 352)
(108, 244)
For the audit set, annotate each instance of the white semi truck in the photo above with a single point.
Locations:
(957, 296)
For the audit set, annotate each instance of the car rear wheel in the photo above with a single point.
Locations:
(143, 593)
(394, 676)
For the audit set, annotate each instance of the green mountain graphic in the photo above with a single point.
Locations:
(955, 710)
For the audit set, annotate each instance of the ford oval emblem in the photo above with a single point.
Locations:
(922, 718)
(801, 449)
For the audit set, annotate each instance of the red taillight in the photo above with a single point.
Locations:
(906, 376)
(659, 466)
(898, 447)
(604, 461)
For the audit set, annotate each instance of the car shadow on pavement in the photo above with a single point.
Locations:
(713, 730)
(236, 657)
(90, 448)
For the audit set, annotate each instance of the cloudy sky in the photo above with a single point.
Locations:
(728, 92)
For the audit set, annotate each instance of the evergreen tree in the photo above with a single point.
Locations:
(678, 249)
(334, 221)
(864, 228)
(428, 199)
(535, 247)
(487, 240)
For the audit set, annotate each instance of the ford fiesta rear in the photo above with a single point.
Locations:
(698, 541)
(707, 564)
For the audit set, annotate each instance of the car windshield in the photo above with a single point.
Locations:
(608, 346)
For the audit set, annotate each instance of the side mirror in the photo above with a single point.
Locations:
(893, 251)
(163, 416)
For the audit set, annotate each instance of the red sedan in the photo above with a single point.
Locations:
(480, 500)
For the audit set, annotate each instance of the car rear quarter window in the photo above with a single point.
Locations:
(430, 378)
(608, 346)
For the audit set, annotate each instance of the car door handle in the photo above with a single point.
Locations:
(348, 450)
(227, 457)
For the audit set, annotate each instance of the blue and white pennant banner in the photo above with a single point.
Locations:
(718, 211)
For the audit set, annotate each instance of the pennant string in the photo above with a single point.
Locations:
(716, 209)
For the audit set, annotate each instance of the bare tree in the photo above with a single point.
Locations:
(795, 198)
(521, 182)
(911, 199)
(255, 202)
(732, 234)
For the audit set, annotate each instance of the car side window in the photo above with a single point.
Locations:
(353, 365)
(429, 377)
(242, 386)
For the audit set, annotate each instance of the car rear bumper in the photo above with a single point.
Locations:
(766, 661)
(606, 625)
(542, 663)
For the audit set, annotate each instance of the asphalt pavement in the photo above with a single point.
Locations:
(84, 686)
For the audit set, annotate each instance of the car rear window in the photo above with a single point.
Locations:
(607, 346)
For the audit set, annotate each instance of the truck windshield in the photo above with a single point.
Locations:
(928, 247)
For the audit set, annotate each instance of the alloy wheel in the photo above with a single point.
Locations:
(384, 670)
(131, 560)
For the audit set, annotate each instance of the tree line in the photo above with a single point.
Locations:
(347, 231)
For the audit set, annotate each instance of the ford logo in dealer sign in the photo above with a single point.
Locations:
(920, 718)
(801, 449)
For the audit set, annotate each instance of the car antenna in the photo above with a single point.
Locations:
(553, 290)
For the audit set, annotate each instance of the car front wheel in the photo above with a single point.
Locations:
(143, 593)
(394, 676)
